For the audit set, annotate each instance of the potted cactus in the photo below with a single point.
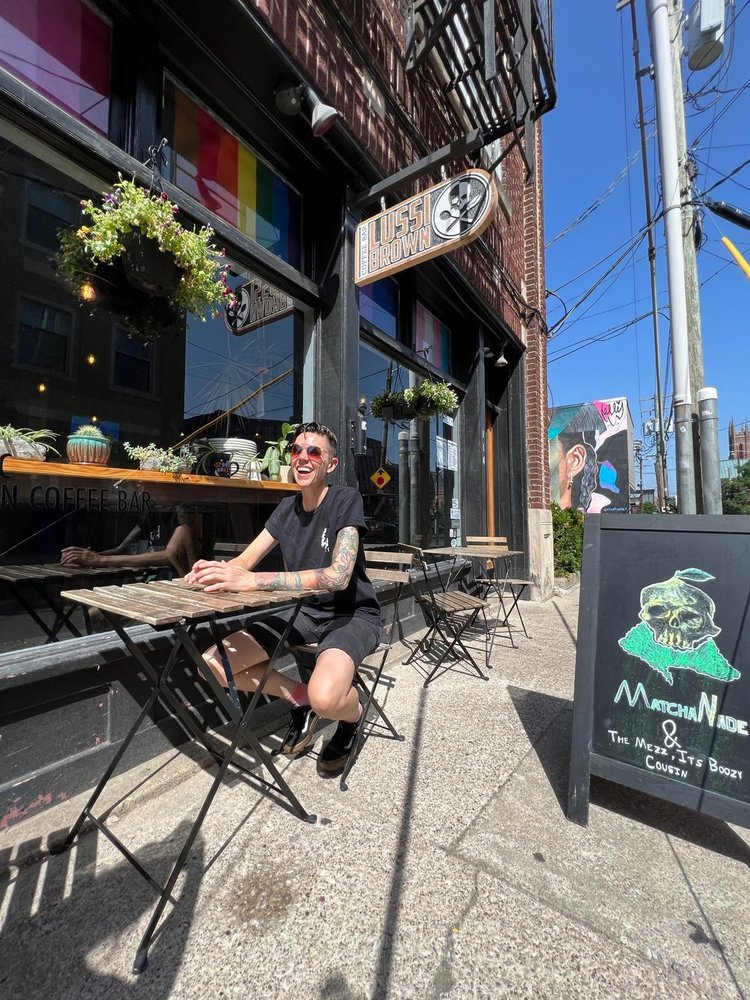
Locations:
(88, 445)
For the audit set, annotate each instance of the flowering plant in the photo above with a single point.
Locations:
(160, 459)
(89, 255)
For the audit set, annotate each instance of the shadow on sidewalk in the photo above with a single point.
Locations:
(60, 907)
(552, 747)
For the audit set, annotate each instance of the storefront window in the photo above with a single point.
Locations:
(378, 304)
(436, 520)
(212, 165)
(70, 364)
(62, 50)
(433, 340)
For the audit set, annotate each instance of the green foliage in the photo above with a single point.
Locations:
(424, 400)
(567, 533)
(162, 459)
(131, 209)
(277, 453)
(41, 439)
(89, 431)
(650, 508)
(735, 493)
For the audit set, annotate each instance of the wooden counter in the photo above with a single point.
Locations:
(161, 485)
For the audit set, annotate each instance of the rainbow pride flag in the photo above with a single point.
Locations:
(223, 174)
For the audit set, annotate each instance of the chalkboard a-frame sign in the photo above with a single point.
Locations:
(662, 688)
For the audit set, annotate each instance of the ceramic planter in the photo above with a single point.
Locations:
(19, 448)
(87, 450)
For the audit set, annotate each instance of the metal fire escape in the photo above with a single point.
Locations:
(493, 59)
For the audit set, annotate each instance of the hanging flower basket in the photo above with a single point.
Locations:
(138, 261)
(424, 400)
(149, 268)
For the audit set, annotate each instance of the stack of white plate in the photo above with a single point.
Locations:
(242, 451)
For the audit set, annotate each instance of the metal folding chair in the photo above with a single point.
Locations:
(382, 567)
(448, 615)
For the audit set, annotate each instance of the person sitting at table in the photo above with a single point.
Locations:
(181, 551)
(319, 532)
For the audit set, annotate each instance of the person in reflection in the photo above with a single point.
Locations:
(319, 531)
(180, 553)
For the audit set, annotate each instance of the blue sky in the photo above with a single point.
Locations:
(588, 140)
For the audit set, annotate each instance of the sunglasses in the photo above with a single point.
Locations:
(313, 451)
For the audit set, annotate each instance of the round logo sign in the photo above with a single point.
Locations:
(460, 205)
(237, 315)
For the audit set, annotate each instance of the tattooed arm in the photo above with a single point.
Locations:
(222, 576)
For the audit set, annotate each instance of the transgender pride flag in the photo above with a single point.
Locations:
(222, 173)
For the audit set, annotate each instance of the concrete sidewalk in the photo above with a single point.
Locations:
(448, 870)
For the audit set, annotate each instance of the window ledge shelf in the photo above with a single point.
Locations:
(76, 470)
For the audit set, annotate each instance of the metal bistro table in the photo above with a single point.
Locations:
(176, 608)
(39, 580)
(495, 583)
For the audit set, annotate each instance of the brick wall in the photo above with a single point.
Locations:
(335, 43)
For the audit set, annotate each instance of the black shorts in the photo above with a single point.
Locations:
(357, 637)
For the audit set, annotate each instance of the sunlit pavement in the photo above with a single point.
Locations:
(447, 870)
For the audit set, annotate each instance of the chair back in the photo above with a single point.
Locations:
(500, 541)
(388, 567)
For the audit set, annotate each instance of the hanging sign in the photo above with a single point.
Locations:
(446, 216)
(380, 477)
(257, 302)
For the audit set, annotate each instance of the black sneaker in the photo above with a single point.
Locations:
(335, 754)
(302, 726)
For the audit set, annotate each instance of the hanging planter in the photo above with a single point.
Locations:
(149, 268)
(424, 400)
(138, 261)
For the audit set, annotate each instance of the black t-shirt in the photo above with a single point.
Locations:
(307, 538)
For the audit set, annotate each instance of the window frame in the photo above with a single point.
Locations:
(69, 373)
(152, 392)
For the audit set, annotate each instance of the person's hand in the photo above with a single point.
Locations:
(214, 576)
(77, 556)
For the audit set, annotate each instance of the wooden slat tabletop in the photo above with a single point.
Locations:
(167, 602)
(115, 603)
(56, 571)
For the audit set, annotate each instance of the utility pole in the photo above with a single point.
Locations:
(638, 451)
(687, 174)
(661, 449)
(661, 44)
(695, 342)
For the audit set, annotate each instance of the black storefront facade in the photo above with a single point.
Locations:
(85, 91)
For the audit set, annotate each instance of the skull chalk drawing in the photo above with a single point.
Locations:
(677, 629)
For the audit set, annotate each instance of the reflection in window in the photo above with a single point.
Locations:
(222, 173)
(433, 340)
(436, 482)
(62, 50)
(44, 336)
(378, 304)
(223, 369)
(133, 363)
(47, 212)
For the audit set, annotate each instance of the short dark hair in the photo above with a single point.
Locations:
(313, 427)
